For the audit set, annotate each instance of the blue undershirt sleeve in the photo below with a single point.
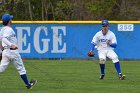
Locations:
(92, 47)
(113, 45)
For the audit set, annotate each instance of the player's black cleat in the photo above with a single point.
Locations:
(102, 76)
(32, 83)
(122, 77)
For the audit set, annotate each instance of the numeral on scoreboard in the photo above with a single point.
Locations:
(125, 27)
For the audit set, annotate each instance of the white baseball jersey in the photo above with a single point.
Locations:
(100, 40)
(9, 55)
(0, 42)
(7, 32)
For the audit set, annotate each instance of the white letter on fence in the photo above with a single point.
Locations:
(57, 39)
(37, 40)
(22, 39)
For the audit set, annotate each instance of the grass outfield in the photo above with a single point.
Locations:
(72, 76)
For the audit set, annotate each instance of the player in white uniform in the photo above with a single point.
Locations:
(105, 42)
(1, 48)
(10, 53)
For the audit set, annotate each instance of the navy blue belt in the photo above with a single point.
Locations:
(13, 48)
(10, 48)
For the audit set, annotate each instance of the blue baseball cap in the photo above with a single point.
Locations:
(6, 17)
(105, 23)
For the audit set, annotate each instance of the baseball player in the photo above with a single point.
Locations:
(105, 41)
(10, 53)
(1, 48)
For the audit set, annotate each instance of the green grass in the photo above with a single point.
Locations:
(72, 76)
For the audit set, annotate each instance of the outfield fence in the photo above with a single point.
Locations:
(71, 39)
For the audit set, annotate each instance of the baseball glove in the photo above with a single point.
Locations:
(90, 54)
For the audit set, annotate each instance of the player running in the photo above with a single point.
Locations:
(105, 41)
(10, 53)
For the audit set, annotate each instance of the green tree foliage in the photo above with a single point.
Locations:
(63, 10)
(103, 8)
(71, 9)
